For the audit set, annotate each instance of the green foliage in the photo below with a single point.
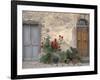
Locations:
(55, 55)
(47, 47)
(47, 43)
(62, 56)
(72, 53)
(46, 58)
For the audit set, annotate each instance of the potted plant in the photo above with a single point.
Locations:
(73, 55)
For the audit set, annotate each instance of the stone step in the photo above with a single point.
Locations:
(85, 60)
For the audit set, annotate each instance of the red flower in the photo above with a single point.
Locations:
(62, 37)
(55, 40)
(54, 44)
(59, 35)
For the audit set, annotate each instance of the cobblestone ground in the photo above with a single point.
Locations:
(35, 64)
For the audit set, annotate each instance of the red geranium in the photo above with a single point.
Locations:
(54, 44)
(60, 37)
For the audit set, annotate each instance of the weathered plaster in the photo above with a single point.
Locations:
(55, 24)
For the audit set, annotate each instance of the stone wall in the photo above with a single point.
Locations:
(55, 24)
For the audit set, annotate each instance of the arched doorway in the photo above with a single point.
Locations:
(83, 37)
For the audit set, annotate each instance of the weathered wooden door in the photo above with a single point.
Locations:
(83, 41)
(31, 42)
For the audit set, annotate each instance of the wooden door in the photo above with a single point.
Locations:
(31, 42)
(83, 41)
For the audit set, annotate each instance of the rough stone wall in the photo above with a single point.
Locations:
(55, 24)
